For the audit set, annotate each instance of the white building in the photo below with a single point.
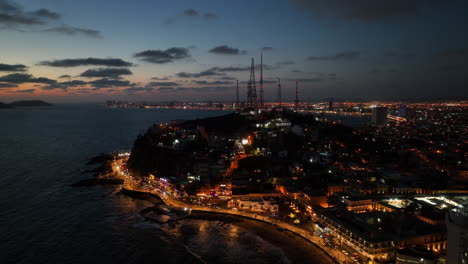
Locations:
(255, 204)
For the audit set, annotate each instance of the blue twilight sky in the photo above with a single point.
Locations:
(196, 50)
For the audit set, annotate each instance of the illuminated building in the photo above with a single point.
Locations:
(377, 235)
(414, 255)
(379, 116)
(457, 234)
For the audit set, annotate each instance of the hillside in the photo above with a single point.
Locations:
(29, 103)
(3, 105)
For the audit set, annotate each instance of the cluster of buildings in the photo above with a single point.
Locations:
(390, 191)
(379, 227)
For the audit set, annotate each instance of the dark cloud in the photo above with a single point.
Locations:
(64, 85)
(109, 83)
(340, 56)
(226, 50)
(190, 12)
(211, 83)
(184, 75)
(9, 20)
(368, 11)
(83, 90)
(160, 78)
(8, 85)
(46, 13)
(210, 16)
(264, 82)
(182, 89)
(296, 71)
(209, 72)
(74, 83)
(25, 91)
(166, 84)
(64, 76)
(267, 48)
(200, 74)
(226, 78)
(138, 89)
(163, 56)
(241, 69)
(86, 62)
(13, 67)
(19, 78)
(194, 13)
(72, 31)
(211, 89)
(9, 7)
(230, 69)
(12, 15)
(194, 89)
(42, 80)
(114, 73)
(166, 89)
(219, 71)
(266, 67)
(288, 62)
(314, 79)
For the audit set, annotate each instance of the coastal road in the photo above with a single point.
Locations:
(305, 241)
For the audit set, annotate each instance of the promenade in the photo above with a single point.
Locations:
(336, 255)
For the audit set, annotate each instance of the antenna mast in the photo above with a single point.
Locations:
(279, 92)
(296, 102)
(251, 89)
(237, 94)
(261, 81)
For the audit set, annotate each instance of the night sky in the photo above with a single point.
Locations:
(95, 50)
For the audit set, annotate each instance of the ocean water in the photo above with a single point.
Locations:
(43, 151)
(44, 220)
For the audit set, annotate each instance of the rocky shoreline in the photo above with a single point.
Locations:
(102, 174)
(297, 249)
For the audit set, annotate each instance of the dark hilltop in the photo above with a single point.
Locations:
(27, 103)
(3, 105)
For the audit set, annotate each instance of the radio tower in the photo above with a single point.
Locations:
(261, 81)
(237, 95)
(296, 102)
(251, 89)
(279, 92)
